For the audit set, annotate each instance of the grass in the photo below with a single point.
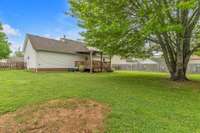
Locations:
(140, 102)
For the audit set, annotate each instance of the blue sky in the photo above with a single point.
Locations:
(40, 17)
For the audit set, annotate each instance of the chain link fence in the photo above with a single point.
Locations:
(192, 68)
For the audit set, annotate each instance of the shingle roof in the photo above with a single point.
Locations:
(195, 57)
(52, 45)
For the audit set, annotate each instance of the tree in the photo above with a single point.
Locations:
(19, 53)
(4, 44)
(126, 27)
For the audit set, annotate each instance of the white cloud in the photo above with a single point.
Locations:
(10, 31)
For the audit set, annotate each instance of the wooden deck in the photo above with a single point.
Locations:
(97, 66)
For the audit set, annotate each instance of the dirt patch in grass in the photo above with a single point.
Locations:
(57, 116)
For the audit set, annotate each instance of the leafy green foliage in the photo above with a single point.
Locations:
(117, 28)
(19, 53)
(105, 28)
(125, 27)
(187, 4)
(4, 45)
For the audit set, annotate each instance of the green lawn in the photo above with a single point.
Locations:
(140, 102)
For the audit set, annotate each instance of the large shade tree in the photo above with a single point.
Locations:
(138, 27)
(4, 44)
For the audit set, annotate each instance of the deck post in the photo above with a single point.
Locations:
(101, 61)
(91, 62)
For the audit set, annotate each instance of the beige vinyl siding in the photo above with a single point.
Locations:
(30, 56)
(57, 60)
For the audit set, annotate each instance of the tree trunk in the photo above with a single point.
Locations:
(179, 75)
(176, 60)
(181, 67)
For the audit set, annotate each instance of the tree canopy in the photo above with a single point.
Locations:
(19, 53)
(139, 27)
(4, 44)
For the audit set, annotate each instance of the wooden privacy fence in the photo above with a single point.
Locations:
(12, 65)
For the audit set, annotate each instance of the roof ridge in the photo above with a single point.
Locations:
(33, 35)
(28, 34)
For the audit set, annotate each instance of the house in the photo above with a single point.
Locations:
(194, 64)
(154, 64)
(120, 63)
(3, 60)
(44, 54)
(120, 60)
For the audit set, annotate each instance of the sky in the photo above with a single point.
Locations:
(39, 17)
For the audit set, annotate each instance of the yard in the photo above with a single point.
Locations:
(139, 102)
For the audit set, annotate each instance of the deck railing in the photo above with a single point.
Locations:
(97, 66)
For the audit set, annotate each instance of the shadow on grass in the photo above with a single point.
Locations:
(156, 79)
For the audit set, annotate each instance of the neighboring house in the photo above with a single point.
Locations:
(3, 60)
(153, 64)
(120, 60)
(42, 53)
(194, 64)
(120, 63)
